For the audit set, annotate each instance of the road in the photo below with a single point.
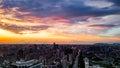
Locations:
(76, 60)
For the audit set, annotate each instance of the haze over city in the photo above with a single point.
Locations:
(60, 21)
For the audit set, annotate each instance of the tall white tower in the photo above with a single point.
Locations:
(86, 61)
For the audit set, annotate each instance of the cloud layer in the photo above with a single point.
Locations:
(64, 8)
(91, 17)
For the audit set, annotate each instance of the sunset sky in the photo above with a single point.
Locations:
(60, 21)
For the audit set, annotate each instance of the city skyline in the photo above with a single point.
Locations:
(60, 21)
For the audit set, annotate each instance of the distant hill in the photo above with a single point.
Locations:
(107, 44)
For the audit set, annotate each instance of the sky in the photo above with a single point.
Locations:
(60, 21)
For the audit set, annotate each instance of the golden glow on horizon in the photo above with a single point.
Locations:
(44, 37)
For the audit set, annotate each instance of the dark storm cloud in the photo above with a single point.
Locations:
(80, 10)
(19, 29)
(62, 8)
(12, 28)
(116, 2)
(104, 25)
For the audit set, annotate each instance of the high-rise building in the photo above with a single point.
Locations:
(55, 46)
(86, 61)
(64, 62)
